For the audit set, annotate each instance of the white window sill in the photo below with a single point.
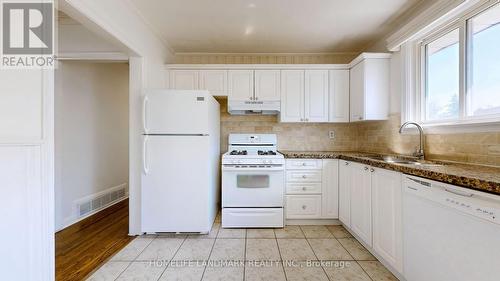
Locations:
(462, 127)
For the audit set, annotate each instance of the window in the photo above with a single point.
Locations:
(443, 77)
(460, 81)
(484, 63)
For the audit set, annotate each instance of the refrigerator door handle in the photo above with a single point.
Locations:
(144, 115)
(145, 167)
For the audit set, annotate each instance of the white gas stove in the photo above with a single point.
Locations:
(253, 176)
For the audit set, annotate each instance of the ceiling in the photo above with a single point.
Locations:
(271, 26)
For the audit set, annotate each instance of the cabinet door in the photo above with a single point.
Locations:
(339, 96)
(387, 225)
(240, 85)
(184, 79)
(267, 85)
(345, 176)
(361, 202)
(316, 96)
(357, 88)
(214, 81)
(292, 96)
(330, 196)
(303, 206)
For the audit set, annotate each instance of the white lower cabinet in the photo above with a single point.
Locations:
(361, 203)
(303, 206)
(386, 216)
(345, 192)
(370, 206)
(312, 189)
(330, 195)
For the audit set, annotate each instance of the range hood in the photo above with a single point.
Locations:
(235, 107)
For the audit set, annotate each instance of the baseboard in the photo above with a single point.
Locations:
(91, 218)
(312, 222)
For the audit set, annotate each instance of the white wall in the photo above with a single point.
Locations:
(26, 173)
(148, 54)
(91, 132)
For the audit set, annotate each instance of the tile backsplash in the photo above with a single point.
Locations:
(374, 136)
(291, 136)
(383, 137)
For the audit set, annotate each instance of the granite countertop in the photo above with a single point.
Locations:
(477, 177)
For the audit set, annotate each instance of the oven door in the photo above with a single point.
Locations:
(252, 186)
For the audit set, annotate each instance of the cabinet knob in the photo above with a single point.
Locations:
(304, 176)
(303, 164)
(360, 118)
(366, 168)
(251, 98)
(304, 188)
(256, 98)
(346, 163)
(304, 207)
(372, 170)
(307, 119)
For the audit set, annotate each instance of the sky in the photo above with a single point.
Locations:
(484, 86)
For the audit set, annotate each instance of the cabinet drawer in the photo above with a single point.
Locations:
(303, 176)
(304, 164)
(303, 188)
(303, 206)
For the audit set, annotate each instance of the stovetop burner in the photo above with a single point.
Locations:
(270, 152)
(238, 152)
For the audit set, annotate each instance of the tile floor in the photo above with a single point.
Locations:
(293, 253)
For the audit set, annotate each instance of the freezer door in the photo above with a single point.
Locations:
(179, 184)
(176, 112)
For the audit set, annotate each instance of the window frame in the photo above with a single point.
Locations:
(415, 65)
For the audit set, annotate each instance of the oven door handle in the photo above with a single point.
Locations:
(252, 169)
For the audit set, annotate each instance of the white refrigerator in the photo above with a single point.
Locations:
(180, 163)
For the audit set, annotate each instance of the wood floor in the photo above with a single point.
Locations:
(83, 247)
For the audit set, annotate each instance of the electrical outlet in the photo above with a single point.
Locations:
(331, 134)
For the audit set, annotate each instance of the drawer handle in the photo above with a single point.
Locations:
(304, 176)
(346, 163)
(304, 188)
(304, 207)
(304, 164)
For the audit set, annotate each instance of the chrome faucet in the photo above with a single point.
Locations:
(420, 152)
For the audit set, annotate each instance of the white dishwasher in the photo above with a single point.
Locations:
(450, 233)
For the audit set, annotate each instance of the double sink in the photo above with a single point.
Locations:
(396, 160)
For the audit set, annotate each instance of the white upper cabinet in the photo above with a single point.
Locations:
(339, 96)
(181, 79)
(361, 202)
(267, 85)
(292, 96)
(304, 96)
(386, 211)
(316, 96)
(215, 81)
(369, 83)
(241, 85)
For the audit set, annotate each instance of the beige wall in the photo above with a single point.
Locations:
(264, 58)
(91, 132)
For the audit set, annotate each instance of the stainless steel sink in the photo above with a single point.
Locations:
(396, 160)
